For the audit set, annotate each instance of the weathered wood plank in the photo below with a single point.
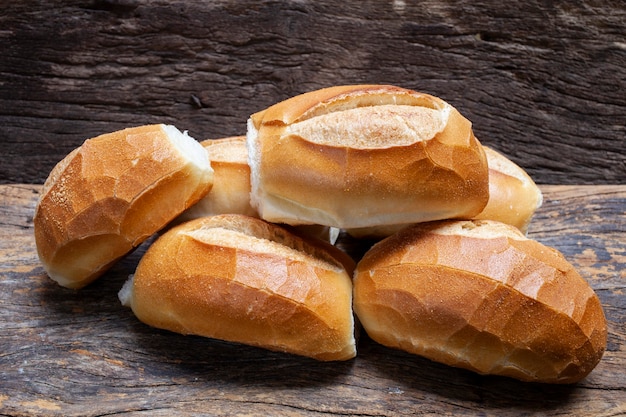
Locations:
(80, 353)
(542, 81)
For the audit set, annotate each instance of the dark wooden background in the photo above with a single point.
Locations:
(542, 81)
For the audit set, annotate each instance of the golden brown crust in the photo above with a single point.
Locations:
(364, 182)
(479, 295)
(112, 193)
(513, 198)
(513, 195)
(241, 279)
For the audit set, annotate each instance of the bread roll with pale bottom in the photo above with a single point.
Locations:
(112, 193)
(364, 156)
(241, 279)
(479, 295)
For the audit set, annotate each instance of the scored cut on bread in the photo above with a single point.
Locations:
(113, 192)
(480, 295)
(244, 280)
(362, 156)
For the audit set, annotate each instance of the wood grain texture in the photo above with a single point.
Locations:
(542, 81)
(80, 353)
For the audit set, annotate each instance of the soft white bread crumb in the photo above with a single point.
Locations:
(189, 147)
(126, 293)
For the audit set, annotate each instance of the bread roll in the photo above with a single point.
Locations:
(231, 187)
(513, 195)
(479, 295)
(513, 198)
(240, 279)
(231, 180)
(112, 193)
(361, 156)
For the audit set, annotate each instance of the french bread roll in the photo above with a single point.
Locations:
(362, 156)
(480, 295)
(513, 195)
(231, 180)
(241, 279)
(113, 192)
(513, 198)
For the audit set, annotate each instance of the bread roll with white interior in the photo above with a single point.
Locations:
(513, 195)
(513, 198)
(480, 295)
(361, 156)
(231, 180)
(231, 187)
(241, 279)
(113, 192)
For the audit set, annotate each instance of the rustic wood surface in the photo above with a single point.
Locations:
(542, 81)
(80, 353)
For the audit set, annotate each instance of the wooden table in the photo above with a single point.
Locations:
(80, 353)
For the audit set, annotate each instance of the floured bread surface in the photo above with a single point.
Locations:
(476, 229)
(479, 295)
(240, 233)
(374, 127)
(232, 239)
(112, 193)
(240, 279)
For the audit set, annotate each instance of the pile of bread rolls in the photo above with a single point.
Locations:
(245, 227)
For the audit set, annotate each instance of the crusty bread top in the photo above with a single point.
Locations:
(101, 165)
(362, 156)
(389, 125)
(492, 249)
(475, 229)
(242, 232)
(481, 296)
(340, 98)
